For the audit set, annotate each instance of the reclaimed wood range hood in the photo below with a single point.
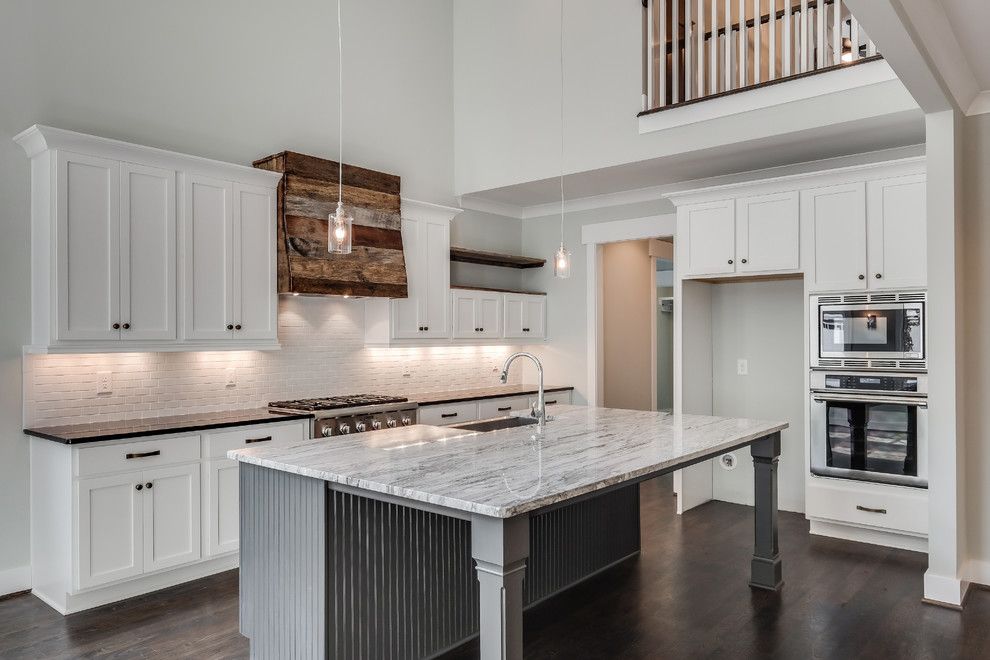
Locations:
(307, 195)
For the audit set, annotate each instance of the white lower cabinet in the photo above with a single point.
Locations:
(111, 533)
(171, 516)
(446, 414)
(222, 522)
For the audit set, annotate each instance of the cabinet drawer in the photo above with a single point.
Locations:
(216, 445)
(501, 407)
(553, 398)
(896, 508)
(451, 413)
(137, 455)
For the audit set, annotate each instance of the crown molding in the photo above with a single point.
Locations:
(980, 104)
(488, 206)
(426, 211)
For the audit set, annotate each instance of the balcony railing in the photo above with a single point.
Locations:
(696, 49)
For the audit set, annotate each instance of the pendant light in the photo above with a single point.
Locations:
(562, 258)
(341, 225)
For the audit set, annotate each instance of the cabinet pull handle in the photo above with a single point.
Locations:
(126, 326)
(115, 326)
(525, 329)
(267, 438)
(446, 415)
(149, 485)
(139, 487)
(862, 277)
(230, 326)
(869, 510)
(504, 408)
(146, 454)
(550, 402)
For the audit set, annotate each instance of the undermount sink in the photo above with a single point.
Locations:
(496, 423)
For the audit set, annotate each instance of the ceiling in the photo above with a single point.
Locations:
(970, 21)
(874, 134)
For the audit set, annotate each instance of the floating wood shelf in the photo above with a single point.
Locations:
(497, 289)
(468, 256)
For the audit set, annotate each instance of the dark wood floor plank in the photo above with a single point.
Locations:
(686, 596)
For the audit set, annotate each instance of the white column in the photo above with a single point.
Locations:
(500, 547)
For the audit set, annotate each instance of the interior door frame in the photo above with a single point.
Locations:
(595, 237)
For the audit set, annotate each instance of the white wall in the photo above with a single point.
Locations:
(507, 96)
(492, 233)
(228, 79)
(763, 323)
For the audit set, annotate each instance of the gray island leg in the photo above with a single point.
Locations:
(765, 572)
(500, 548)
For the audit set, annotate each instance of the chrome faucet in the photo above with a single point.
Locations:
(539, 410)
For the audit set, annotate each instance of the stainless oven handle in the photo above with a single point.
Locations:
(920, 402)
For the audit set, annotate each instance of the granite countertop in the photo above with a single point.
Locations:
(131, 428)
(454, 396)
(512, 471)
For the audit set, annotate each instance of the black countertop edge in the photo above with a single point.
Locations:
(77, 434)
(454, 397)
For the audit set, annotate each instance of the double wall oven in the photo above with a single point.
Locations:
(869, 387)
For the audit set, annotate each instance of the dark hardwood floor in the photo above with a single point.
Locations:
(685, 597)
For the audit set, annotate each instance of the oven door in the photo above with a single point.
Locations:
(892, 331)
(875, 438)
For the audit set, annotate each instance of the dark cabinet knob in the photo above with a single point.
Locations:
(745, 260)
(115, 326)
(237, 327)
(126, 326)
(862, 277)
(525, 329)
(139, 487)
(878, 276)
(730, 261)
(426, 328)
(149, 485)
(230, 326)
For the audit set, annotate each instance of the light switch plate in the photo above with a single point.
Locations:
(742, 367)
(104, 382)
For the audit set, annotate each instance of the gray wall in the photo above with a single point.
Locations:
(493, 233)
(762, 322)
(228, 79)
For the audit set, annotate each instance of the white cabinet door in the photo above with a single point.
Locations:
(524, 316)
(171, 516)
(711, 238)
(768, 233)
(147, 253)
(834, 220)
(109, 524)
(465, 315)
(436, 265)
(897, 233)
(488, 314)
(253, 292)
(405, 312)
(208, 247)
(87, 247)
(221, 520)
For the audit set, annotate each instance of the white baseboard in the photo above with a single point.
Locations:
(872, 536)
(944, 590)
(977, 571)
(15, 579)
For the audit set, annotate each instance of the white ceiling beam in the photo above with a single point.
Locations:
(915, 37)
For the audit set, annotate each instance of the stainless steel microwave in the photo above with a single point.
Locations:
(869, 330)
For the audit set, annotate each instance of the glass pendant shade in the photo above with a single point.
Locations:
(340, 231)
(562, 262)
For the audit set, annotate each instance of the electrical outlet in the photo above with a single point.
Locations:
(231, 377)
(742, 367)
(104, 382)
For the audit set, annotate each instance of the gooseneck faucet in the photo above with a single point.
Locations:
(539, 411)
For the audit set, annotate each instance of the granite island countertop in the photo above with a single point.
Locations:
(512, 471)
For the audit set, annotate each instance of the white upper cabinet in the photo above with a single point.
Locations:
(835, 224)
(426, 247)
(896, 232)
(477, 314)
(768, 233)
(135, 248)
(524, 316)
(710, 232)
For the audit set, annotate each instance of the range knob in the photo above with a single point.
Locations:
(327, 431)
(344, 429)
(391, 423)
(406, 421)
(360, 427)
(376, 424)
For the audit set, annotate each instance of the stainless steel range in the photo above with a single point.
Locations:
(341, 415)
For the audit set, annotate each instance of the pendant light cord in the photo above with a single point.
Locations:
(340, 108)
(561, 123)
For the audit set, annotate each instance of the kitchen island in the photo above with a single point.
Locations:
(403, 543)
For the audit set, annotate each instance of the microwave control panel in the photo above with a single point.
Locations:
(873, 383)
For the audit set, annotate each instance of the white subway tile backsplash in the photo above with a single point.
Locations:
(323, 353)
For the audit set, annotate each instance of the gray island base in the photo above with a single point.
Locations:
(404, 543)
